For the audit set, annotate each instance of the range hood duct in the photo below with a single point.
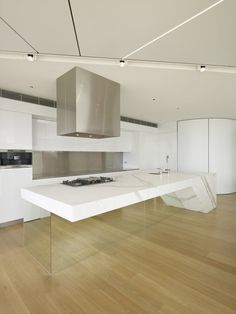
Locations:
(88, 105)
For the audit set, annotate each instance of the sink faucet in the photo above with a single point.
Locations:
(167, 163)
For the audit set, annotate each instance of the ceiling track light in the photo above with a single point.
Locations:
(202, 68)
(114, 62)
(122, 63)
(30, 57)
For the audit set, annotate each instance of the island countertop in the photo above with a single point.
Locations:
(77, 203)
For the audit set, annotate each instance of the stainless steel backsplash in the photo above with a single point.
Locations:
(48, 164)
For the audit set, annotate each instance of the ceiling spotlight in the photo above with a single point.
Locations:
(30, 57)
(202, 68)
(122, 63)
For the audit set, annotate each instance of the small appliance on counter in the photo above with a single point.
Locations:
(87, 181)
(15, 158)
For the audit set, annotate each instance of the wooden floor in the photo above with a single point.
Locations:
(152, 260)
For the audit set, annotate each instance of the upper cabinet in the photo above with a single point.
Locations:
(15, 130)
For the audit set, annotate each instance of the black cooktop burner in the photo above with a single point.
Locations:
(87, 181)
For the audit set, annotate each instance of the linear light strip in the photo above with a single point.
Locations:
(172, 29)
(115, 62)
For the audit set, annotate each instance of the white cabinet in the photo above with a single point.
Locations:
(222, 153)
(209, 145)
(15, 130)
(12, 206)
(193, 145)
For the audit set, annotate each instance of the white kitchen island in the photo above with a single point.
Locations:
(66, 205)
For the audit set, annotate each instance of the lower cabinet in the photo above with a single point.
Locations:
(12, 206)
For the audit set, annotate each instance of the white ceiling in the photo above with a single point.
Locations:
(10, 41)
(46, 25)
(108, 28)
(122, 26)
(209, 39)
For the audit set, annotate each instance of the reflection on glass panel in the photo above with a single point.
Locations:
(70, 242)
(57, 243)
(37, 238)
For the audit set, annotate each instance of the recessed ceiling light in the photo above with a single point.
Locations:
(30, 57)
(202, 68)
(122, 63)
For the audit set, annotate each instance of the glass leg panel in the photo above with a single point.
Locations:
(37, 239)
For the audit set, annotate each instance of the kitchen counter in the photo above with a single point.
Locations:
(15, 167)
(190, 191)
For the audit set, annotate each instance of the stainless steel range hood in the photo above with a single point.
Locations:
(88, 105)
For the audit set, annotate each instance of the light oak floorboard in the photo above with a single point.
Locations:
(140, 259)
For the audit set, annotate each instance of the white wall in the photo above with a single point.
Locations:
(144, 154)
(151, 148)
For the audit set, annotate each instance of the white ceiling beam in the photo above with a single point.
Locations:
(116, 62)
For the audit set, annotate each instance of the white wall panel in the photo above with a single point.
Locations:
(147, 151)
(193, 145)
(222, 153)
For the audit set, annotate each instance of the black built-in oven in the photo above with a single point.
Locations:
(15, 157)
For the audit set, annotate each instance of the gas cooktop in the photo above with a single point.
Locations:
(87, 181)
